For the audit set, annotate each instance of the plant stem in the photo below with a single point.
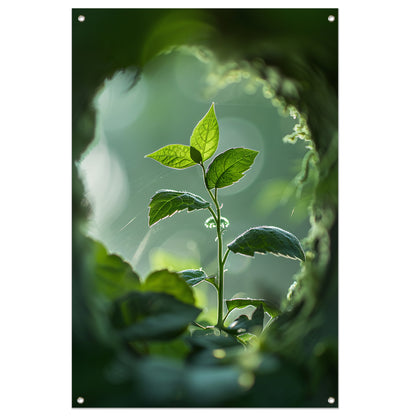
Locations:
(220, 258)
(225, 256)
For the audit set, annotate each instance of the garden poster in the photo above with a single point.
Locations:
(204, 208)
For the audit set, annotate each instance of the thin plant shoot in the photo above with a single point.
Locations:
(225, 169)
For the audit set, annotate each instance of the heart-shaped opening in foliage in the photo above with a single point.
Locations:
(140, 112)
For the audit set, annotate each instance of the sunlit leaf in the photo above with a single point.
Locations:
(193, 277)
(166, 202)
(229, 167)
(113, 276)
(271, 308)
(205, 136)
(177, 156)
(171, 283)
(151, 316)
(268, 239)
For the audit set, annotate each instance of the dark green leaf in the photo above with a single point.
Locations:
(210, 339)
(239, 325)
(195, 155)
(244, 324)
(193, 277)
(177, 156)
(268, 239)
(113, 276)
(151, 316)
(229, 167)
(212, 281)
(166, 202)
(206, 135)
(171, 283)
(269, 307)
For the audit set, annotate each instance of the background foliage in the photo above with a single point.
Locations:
(295, 362)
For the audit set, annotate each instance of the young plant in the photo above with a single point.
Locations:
(226, 169)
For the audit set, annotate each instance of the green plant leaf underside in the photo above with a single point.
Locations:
(229, 167)
(268, 239)
(269, 307)
(193, 277)
(166, 202)
(195, 155)
(113, 277)
(151, 316)
(244, 324)
(177, 156)
(205, 135)
(171, 283)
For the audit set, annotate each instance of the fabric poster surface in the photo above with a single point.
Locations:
(204, 208)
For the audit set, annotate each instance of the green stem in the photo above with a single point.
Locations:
(225, 256)
(213, 214)
(220, 258)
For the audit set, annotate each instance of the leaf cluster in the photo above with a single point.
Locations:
(226, 169)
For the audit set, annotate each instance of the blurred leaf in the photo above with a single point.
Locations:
(176, 348)
(229, 167)
(175, 156)
(113, 277)
(171, 283)
(193, 277)
(206, 135)
(151, 316)
(211, 339)
(268, 239)
(165, 203)
(163, 259)
(212, 385)
(268, 306)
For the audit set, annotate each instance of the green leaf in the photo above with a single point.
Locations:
(244, 324)
(229, 167)
(210, 339)
(195, 155)
(113, 277)
(239, 325)
(205, 136)
(171, 283)
(177, 156)
(193, 277)
(151, 316)
(268, 239)
(271, 308)
(166, 202)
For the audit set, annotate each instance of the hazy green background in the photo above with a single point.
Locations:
(163, 108)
